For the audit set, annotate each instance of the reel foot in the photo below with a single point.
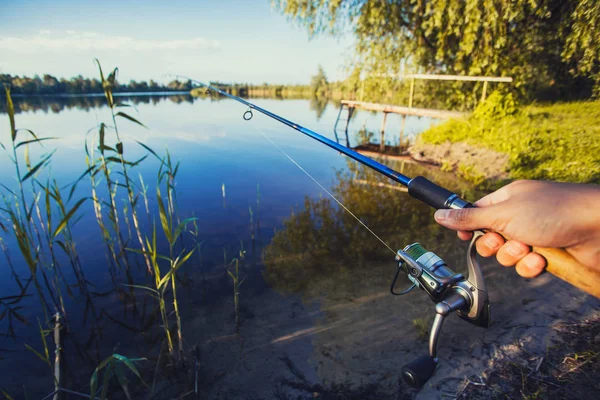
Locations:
(418, 371)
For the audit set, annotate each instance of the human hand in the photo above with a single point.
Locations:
(532, 213)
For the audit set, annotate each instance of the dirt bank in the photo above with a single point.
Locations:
(472, 162)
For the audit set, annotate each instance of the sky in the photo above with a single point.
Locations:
(208, 40)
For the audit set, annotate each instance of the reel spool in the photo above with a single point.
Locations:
(450, 291)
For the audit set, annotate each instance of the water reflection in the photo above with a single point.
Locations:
(319, 105)
(323, 246)
(56, 104)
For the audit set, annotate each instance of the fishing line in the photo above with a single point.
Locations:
(322, 187)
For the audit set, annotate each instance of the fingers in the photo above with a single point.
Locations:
(489, 244)
(528, 264)
(511, 252)
(464, 235)
(531, 265)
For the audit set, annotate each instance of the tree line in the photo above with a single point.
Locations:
(550, 47)
(48, 85)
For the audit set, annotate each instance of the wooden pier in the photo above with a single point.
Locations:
(388, 108)
(352, 105)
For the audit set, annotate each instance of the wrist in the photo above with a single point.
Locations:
(589, 210)
(588, 226)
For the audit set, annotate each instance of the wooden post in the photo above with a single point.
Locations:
(382, 142)
(57, 352)
(401, 134)
(412, 92)
(350, 112)
(484, 91)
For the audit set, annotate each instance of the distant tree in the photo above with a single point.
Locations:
(77, 85)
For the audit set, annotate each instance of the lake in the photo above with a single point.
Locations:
(311, 314)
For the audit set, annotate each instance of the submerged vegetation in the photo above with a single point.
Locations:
(555, 142)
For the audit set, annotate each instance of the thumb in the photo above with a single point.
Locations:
(467, 219)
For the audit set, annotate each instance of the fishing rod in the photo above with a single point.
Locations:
(419, 187)
(450, 291)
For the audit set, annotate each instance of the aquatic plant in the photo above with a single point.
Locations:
(117, 157)
(114, 365)
(172, 229)
(36, 239)
(235, 279)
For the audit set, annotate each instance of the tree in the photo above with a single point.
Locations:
(541, 43)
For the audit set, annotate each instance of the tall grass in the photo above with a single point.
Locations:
(234, 274)
(40, 215)
(36, 239)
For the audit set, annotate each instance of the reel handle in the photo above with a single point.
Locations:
(418, 371)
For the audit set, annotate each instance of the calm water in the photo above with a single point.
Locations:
(314, 307)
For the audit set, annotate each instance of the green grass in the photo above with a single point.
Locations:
(556, 142)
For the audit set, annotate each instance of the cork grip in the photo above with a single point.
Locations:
(564, 266)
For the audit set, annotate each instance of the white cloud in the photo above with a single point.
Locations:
(73, 41)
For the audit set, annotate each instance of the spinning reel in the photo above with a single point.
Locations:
(450, 292)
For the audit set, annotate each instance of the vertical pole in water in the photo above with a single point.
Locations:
(401, 134)
(484, 91)
(382, 142)
(350, 112)
(57, 351)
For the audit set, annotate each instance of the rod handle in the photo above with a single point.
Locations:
(564, 266)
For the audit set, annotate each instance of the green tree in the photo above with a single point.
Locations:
(541, 43)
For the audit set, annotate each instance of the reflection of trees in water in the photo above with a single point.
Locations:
(318, 105)
(56, 104)
(323, 247)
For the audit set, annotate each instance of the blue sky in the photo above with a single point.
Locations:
(226, 40)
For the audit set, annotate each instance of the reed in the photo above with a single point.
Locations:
(41, 216)
(235, 278)
(114, 365)
(117, 157)
(172, 230)
(32, 237)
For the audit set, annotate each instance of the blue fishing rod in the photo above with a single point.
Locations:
(419, 187)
